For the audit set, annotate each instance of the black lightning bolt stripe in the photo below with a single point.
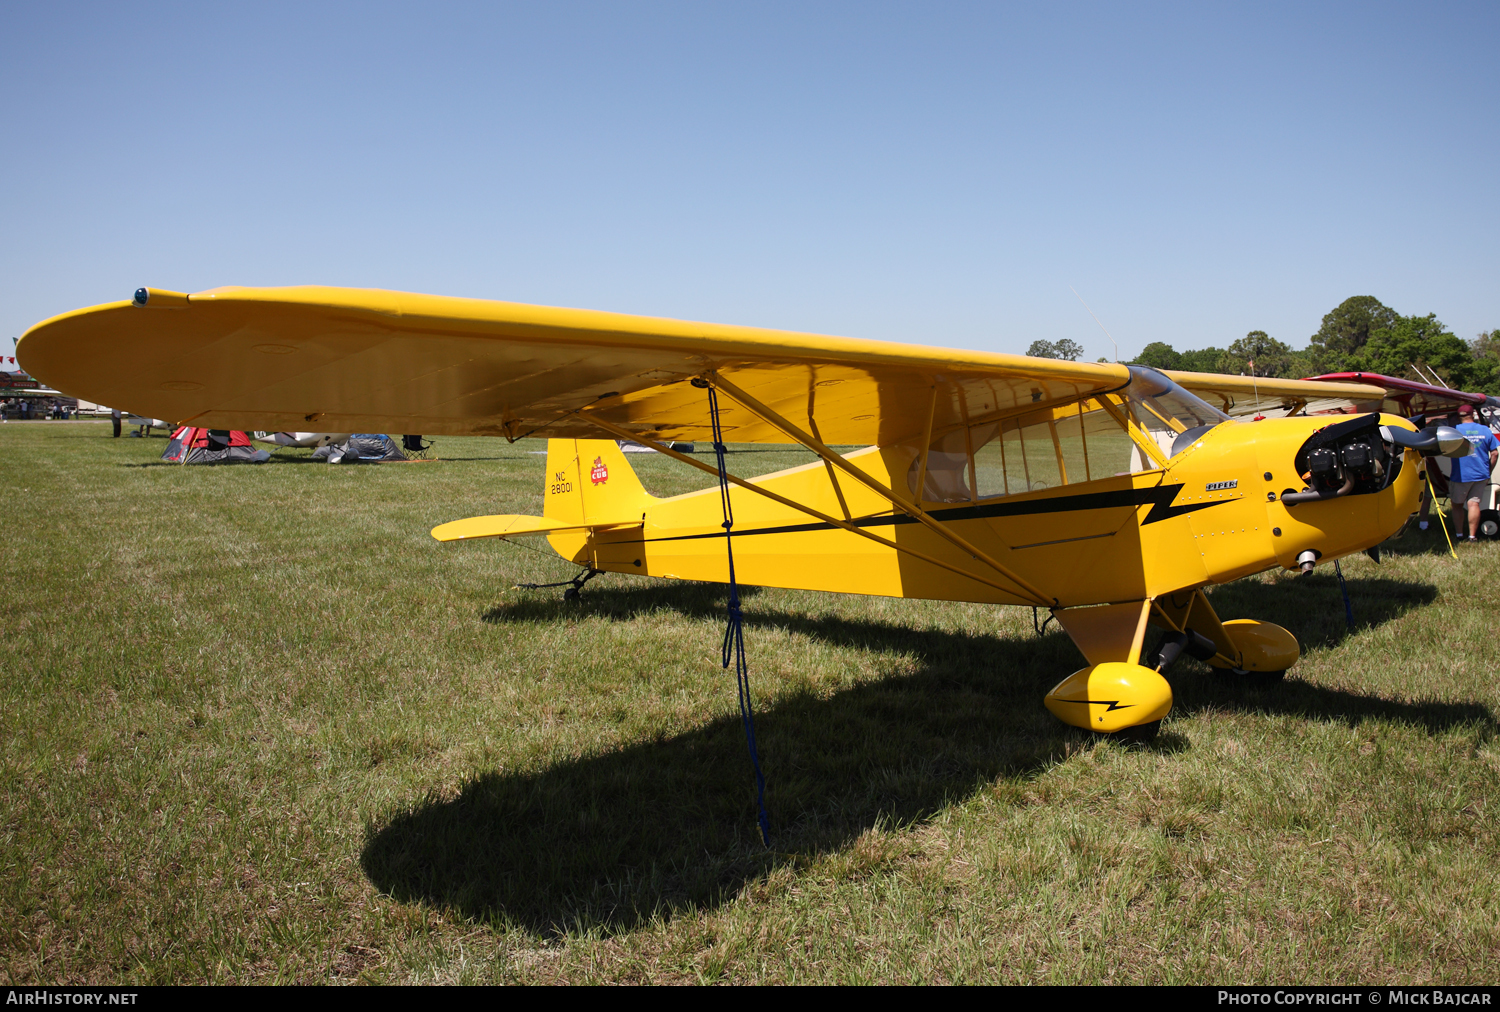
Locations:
(1158, 497)
(1113, 704)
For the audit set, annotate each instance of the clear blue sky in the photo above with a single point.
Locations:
(939, 173)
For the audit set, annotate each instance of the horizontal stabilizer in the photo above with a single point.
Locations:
(512, 525)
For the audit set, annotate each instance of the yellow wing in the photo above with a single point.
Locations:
(1243, 396)
(353, 360)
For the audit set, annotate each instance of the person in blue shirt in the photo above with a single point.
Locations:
(1468, 486)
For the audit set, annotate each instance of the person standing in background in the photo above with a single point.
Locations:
(114, 416)
(1468, 488)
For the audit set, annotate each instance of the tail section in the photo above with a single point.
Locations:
(589, 481)
(590, 489)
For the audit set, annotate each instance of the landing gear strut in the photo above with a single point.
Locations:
(1122, 691)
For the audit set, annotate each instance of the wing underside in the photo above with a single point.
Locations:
(365, 360)
(1247, 396)
(287, 359)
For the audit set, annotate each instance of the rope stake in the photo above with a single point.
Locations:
(734, 631)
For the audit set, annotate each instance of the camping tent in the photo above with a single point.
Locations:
(361, 448)
(212, 446)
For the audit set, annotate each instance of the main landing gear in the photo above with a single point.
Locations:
(1122, 692)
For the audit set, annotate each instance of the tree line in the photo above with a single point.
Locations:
(1360, 335)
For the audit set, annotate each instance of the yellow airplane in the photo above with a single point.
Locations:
(1111, 495)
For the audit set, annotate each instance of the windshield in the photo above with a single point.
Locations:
(1161, 406)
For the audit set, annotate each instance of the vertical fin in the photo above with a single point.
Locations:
(590, 480)
(562, 495)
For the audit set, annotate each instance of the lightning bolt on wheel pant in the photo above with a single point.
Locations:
(1111, 697)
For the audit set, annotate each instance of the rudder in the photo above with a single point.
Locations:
(589, 480)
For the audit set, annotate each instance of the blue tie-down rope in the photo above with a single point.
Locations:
(734, 631)
(1348, 608)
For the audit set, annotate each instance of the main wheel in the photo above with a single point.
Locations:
(1138, 734)
(1266, 650)
(1111, 697)
(1254, 677)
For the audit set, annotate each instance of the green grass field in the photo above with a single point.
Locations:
(259, 726)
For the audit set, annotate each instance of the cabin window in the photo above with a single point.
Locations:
(1039, 450)
(947, 469)
(1045, 449)
(1026, 458)
(1053, 446)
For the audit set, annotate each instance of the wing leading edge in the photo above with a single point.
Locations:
(367, 360)
(350, 359)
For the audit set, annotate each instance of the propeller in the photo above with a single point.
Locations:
(1438, 440)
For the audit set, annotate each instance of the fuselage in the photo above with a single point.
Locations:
(1211, 514)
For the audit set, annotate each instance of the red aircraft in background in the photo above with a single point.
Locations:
(1430, 405)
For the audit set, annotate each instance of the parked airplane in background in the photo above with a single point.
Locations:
(1111, 495)
(1427, 403)
(1411, 399)
(309, 439)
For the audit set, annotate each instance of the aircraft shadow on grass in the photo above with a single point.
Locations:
(665, 826)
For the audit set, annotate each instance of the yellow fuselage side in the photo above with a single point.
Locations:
(1113, 539)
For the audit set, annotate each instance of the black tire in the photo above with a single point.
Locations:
(1489, 524)
(1253, 677)
(1139, 734)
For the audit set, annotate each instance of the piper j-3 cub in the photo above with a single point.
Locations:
(1109, 494)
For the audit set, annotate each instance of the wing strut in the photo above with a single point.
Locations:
(662, 448)
(775, 420)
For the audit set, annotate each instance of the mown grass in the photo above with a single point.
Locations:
(258, 726)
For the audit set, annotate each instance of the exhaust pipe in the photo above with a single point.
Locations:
(1307, 560)
(1293, 498)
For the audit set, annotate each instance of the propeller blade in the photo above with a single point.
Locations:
(1440, 440)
